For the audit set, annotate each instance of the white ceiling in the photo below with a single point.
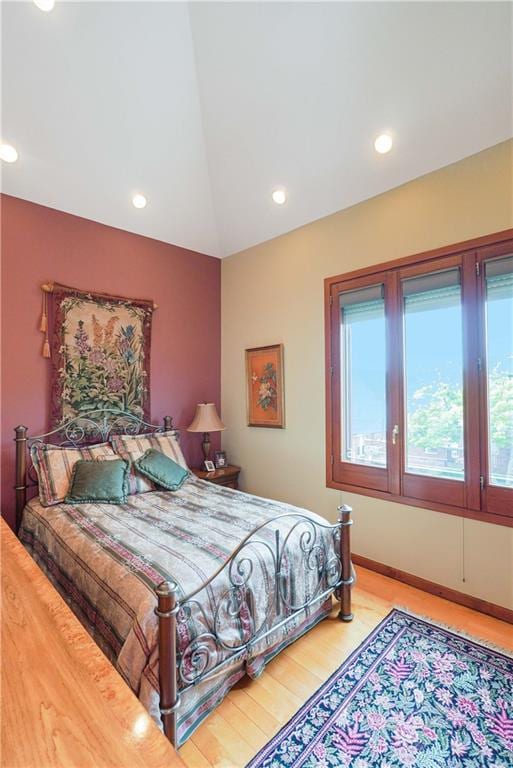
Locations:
(206, 107)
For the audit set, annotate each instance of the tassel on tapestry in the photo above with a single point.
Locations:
(43, 325)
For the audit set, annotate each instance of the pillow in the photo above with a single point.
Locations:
(54, 466)
(132, 447)
(161, 469)
(98, 481)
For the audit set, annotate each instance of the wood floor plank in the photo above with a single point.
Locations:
(274, 697)
(297, 678)
(192, 756)
(221, 744)
(245, 727)
(228, 739)
(257, 714)
(319, 662)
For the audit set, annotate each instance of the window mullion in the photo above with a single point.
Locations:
(395, 419)
(473, 361)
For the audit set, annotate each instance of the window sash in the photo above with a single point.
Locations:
(431, 287)
(498, 430)
(365, 304)
(345, 306)
(431, 293)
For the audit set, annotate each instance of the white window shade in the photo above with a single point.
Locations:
(433, 291)
(499, 278)
(363, 303)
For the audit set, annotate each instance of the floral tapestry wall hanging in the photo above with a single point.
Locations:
(100, 350)
(265, 393)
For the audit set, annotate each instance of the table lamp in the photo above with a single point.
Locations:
(206, 420)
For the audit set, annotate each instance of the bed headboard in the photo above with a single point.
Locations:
(85, 429)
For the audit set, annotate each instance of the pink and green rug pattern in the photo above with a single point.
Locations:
(412, 695)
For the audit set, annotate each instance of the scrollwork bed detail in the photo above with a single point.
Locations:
(86, 428)
(209, 651)
(321, 549)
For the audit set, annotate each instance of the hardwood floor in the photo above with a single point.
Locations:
(63, 704)
(254, 710)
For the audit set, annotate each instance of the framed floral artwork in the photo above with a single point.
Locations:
(265, 392)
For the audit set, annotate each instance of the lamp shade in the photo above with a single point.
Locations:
(206, 419)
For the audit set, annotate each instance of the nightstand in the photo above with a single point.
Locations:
(228, 475)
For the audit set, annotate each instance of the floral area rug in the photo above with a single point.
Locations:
(412, 694)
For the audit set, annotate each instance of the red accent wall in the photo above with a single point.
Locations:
(40, 244)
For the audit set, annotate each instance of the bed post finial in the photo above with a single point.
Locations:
(345, 522)
(169, 699)
(168, 423)
(21, 469)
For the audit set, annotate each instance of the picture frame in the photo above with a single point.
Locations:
(209, 466)
(220, 459)
(265, 395)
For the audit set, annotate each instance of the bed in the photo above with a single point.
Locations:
(185, 591)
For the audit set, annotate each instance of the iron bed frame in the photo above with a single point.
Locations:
(212, 647)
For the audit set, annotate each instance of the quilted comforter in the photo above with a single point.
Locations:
(106, 561)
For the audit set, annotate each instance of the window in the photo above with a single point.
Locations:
(420, 380)
(433, 375)
(364, 381)
(499, 367)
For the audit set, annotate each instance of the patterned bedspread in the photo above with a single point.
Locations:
(106, 561)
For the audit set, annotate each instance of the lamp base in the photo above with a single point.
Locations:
(206, 445)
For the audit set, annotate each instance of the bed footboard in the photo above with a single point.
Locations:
(324, 553)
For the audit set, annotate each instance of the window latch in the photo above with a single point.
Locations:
(395, 433)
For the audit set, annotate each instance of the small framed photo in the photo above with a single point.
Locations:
(209, 466)
(220, 459)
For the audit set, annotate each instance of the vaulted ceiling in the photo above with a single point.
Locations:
(206, 107)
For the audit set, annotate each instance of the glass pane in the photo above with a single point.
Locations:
(433, 368)
(363, 378)
(499, 354)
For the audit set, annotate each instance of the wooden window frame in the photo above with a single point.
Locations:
(468, 498)
(355, 474)
(417, 486)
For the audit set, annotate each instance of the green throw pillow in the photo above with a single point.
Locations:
(98, 481)
(161, 469)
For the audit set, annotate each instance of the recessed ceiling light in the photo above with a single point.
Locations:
(8, 154)
(139, 201)
(45, 5)
(383, 144)
(279, 196)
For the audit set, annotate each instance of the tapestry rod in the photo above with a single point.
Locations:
(48, 288)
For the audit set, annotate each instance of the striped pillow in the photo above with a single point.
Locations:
(132, 447)
(54, 467)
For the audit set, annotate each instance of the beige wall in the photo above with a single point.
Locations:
(273, 293)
